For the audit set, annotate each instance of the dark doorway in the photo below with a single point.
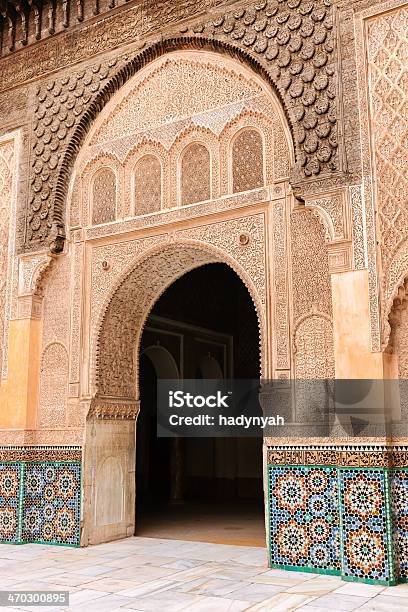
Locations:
(210, 489)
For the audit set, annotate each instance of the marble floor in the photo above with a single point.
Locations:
(160, 575)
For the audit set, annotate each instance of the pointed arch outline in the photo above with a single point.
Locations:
(133, 156)
(208, 254)
(87, 176)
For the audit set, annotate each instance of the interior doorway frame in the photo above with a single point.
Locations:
(217, 499)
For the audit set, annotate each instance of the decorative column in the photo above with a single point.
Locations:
(109, 470)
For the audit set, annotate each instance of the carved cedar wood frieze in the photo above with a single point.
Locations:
(291, 43)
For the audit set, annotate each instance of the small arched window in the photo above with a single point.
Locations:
(247, 161)
(147, 185)
(104, 196)
(195, 180)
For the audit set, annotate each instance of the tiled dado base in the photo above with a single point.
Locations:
(349, 520)
(40, 492)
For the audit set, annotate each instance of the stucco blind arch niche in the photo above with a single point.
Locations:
(283, 105)
(247, 150)
(103, 196)
(195, 174)
(147, 184)
(301, 64)
(201, 100)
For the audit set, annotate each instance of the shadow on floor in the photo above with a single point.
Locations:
(240, 523)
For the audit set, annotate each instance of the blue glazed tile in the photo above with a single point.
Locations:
(399, 503)
(51, 511)
(364, 520)
(303, 516)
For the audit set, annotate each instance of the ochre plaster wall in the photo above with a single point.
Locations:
(351, 328)
(19, 392)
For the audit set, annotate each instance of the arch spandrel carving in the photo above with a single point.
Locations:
(223, 237)
(243, 106)
(181, 86)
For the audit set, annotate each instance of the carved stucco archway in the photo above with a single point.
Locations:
(111, 426)
(116, 347)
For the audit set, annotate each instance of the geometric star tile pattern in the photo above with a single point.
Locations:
(326, 519)
(366, 525)
(399, 502)
(304, 518)
(348, 521)
(51, 509)
(40, 502)
(10, 501)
